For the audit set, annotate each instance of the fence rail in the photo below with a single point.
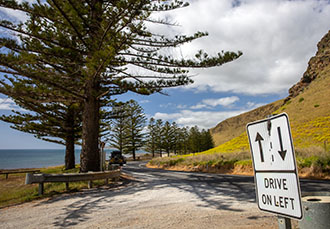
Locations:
(70, 177)
(14, 171)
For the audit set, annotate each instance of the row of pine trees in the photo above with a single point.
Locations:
(129, 132)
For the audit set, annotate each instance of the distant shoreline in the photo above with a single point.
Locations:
(39, 158)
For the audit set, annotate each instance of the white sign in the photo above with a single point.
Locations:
(275, 169)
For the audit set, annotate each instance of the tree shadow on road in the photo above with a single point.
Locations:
(222, 192)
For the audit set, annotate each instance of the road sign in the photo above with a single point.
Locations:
(275, 169)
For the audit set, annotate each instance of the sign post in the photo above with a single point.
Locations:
(275, 169)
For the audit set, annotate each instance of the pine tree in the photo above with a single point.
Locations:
(86, 48)
(168, 138)
(194, 139)
(118, 128)
(184, 140)
(176, 137)
(58, 122)
(135, 124)
(206, 140)
(159, 136)
(151, 137)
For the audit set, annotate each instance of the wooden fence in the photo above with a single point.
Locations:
(70, 177)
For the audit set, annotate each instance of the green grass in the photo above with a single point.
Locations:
(14, 191)
(313, 156)
(306, 158)
(202, 159)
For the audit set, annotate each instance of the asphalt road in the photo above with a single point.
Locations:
(234, 183)
(153, 199)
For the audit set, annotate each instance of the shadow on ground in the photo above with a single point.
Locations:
(215, 191)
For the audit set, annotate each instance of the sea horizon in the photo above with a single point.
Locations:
(38, 158)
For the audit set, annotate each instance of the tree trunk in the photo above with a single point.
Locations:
(133, 152)
(90, 154)
(69, 152)
(70, 138)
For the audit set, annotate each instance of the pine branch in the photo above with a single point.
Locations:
(70, 22)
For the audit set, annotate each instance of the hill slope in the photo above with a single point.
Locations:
(308, 107)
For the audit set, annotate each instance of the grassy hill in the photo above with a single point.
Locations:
(309, 114)
(308, 108)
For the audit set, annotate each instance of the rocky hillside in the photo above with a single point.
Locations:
(315, 67)
(308, 107)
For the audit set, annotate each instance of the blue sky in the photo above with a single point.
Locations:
(277, 38)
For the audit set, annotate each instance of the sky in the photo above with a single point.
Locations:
(277, 38)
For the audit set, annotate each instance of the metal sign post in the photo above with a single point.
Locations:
(275, 169)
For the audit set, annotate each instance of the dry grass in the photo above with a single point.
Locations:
(309, 115)
(14, 190)
(235, 126)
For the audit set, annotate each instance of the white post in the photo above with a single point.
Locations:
(102, 156)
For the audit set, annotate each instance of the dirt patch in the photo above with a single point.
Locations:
(227, 169)
(313, 172)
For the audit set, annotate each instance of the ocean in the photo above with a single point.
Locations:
(37, 158)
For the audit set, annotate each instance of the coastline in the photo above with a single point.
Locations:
(39, 158)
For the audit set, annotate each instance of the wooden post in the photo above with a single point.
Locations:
(6, 176)
(90, 184)
(41, 189)
(107, 181)
(67, 188)
(284, 222)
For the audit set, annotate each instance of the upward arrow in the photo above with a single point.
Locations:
(282, 152)
(259, 139)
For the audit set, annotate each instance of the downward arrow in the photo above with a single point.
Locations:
(259, 139)
(282, 152)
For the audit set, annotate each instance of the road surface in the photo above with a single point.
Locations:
(153, 199)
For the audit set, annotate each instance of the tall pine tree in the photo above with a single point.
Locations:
(136, 122)
(58, 121)
(88, 48)
(151, 137)
(118, 128)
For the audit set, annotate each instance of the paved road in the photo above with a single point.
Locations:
(154, 199)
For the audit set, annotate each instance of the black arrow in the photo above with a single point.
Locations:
(259, 139)
(281, 152)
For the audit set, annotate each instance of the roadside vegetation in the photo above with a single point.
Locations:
(312, 162)
(14, 190)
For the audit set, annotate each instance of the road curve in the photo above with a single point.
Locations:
(153, 199)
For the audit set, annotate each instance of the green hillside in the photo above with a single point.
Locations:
(308, 107)
(309, 115)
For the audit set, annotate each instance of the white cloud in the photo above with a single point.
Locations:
(16, 15)
(203, 119)
(166, 105)
(277, 38)
(198, 106)
(145, 101)
(181, 106)
(8, 104)
(222, 101)
(209, 103)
